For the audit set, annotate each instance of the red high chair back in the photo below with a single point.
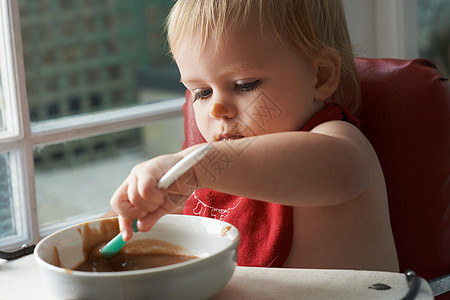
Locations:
(405, 113)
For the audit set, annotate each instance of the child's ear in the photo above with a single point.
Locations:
(328, 73)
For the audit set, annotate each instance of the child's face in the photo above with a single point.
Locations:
(249, 85)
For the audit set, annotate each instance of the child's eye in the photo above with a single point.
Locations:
(248, 86)
(202, 94)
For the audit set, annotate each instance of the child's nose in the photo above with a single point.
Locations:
(220, 111)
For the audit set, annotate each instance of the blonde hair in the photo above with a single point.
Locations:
(310, 25)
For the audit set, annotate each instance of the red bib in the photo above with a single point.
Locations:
(266, 228)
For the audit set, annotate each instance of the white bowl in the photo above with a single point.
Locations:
(214, 242)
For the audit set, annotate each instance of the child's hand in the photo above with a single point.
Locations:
(138, 197)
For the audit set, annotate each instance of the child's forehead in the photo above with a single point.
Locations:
(189, 75)
(202, 27)
(220, 40)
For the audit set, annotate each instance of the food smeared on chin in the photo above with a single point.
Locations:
(135, 255)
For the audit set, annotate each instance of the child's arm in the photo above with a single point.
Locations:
(324, 167)
(327, 166)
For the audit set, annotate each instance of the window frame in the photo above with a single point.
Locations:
(13, 137)
(21, 136)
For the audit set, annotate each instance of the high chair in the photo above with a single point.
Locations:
(405, 113)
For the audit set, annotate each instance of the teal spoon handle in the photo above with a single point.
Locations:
(116, 244)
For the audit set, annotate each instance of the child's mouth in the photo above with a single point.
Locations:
(228, 137)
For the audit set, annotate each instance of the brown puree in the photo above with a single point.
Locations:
(135, 255)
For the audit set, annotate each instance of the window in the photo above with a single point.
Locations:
(87, 92)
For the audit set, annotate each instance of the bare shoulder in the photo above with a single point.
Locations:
(341, 129)
(350, 135)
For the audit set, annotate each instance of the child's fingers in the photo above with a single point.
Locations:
(146, 223)
(125, 228)
(143, 194)
(120, 203)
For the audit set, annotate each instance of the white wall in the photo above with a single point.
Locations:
(383, 28)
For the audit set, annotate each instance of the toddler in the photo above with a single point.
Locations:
(273, 87)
